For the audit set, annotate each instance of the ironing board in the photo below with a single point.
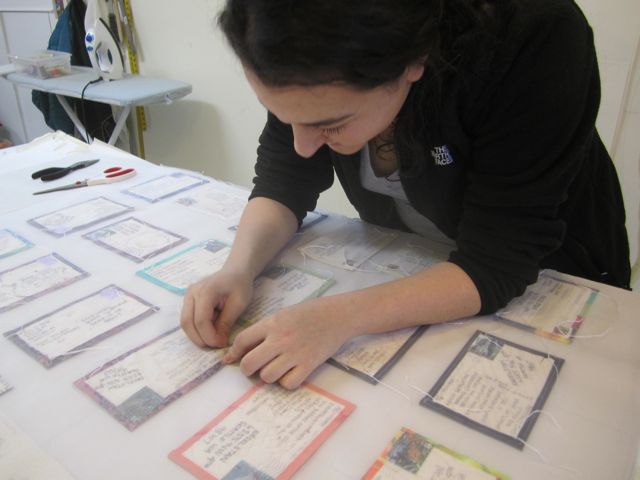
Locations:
(129, 92)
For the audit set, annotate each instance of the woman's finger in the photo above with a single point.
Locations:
(294, 377)
(247, 341)
(187, 323)
(204, 317)
(276, 368)
(229, 311)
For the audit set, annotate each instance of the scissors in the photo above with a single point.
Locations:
(112, 174)
(53, 173)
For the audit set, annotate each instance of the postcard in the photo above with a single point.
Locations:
(410, 456)
(348, 246)
(138, 384)
(551, 308)
(36, 278)
(165, 186)
(279, 287)
(68, 330)
(496, 387)
(216, 202)
(370, 357)
(403, 259)
(135, 239)
(79, 216)
(12, 243)
(179, 271)
(310, 220)
(266, 434)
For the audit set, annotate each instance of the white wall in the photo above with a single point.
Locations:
(627, 155)
(215, 129)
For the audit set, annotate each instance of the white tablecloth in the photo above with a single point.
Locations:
(591, 430)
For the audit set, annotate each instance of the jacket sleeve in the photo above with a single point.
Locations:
(286, 177)
(530, 138)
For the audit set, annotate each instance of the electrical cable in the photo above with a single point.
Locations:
(84, 121)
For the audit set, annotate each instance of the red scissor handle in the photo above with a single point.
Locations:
(116, 171)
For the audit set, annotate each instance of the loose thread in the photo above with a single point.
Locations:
(569, 327)
(547, 355)
(535, 450)
(95, 370)
(377, 380)
(390, 387)
(86, 349)
(305, 254)
(601, 335)
(304, 257)
(346, 262)
(539, 412)
(545, 461)
(419, 390)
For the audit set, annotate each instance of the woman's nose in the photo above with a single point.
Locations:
(307, 140)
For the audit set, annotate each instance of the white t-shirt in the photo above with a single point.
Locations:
(392, 187)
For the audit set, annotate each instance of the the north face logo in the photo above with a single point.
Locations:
(441, 155)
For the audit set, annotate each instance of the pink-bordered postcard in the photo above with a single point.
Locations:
(266, 434)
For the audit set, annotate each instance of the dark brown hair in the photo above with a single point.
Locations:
(363, 43)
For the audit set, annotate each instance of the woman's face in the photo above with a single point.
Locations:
(340, 116)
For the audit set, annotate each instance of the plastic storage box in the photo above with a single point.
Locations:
(44, 64)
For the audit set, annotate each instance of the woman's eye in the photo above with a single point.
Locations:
(332, 131)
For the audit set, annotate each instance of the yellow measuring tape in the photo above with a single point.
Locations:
(141, 119)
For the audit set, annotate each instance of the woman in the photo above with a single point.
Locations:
(468, 121)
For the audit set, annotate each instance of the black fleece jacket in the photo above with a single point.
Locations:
(515, 171)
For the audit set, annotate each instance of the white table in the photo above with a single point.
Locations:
(595, 401)
(129, 92)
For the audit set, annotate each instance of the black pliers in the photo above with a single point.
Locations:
(53, 173)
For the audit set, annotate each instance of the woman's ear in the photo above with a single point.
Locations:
(414, 72)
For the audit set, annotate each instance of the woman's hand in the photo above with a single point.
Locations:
(288, 345)
(212, 305)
